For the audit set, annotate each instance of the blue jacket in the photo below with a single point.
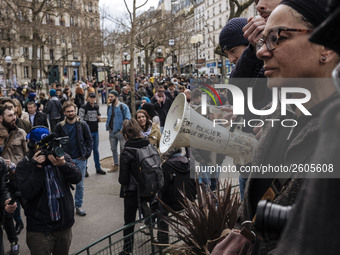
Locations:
(119, 117)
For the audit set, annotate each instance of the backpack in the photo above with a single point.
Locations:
(149, 174)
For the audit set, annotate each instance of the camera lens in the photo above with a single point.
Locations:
(270, 220)
(58, 151)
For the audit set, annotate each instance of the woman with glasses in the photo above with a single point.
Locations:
(288, 57)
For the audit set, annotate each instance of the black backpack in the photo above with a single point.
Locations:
(149, 174)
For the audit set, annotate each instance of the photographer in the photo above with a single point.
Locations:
(44, 182)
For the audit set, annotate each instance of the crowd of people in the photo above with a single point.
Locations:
(265, 49)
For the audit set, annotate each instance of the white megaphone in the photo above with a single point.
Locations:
(185, 127)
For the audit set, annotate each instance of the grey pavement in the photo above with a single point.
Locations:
(102, 203)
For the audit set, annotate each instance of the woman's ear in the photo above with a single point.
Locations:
(328, 55)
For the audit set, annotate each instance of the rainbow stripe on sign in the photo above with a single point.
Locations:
(213, 90)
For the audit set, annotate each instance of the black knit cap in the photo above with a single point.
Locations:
(328, 33)
(232, 34)
(314, 11)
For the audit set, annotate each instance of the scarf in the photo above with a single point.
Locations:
(146, 133)
(157, 97)
(53, 193)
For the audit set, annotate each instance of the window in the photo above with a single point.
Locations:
(91, 23)
(213, 11)
(90, 7)
(62, 20)
(220, 21)
(71, 21)
(207, 14)
(25, 52)
(214, 25)
(49, 19)
(51, 54)
(220, 8)
(71, 4)
(3, 51)
(26, 71)
(50, 38)
(75, 55)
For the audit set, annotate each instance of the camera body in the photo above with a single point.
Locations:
(270, 220)
(54, 146)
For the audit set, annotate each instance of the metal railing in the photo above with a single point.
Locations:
(113, 243)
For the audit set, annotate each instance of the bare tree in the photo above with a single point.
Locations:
(237, 7)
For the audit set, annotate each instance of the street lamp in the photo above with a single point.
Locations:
(196, 41)
(125, 63)
(8, 61)
(159, 51)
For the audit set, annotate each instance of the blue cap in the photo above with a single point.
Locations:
(31, 96)
(37, 134)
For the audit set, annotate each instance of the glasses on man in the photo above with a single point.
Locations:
(273, 38)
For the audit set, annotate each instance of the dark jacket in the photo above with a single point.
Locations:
(84, 137)
(54, 109)
(300, 146)
(310, 229)
(40, 119)
(128, 165)
(249, 73)
(4, 194)
(89, 114)
(162, 109)
(31, 182)
(176, 171)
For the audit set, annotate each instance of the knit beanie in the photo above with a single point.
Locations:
(328, 33)
(114, 92)
(232, 34)
(52, 92)
(314, 11)
(31, 96)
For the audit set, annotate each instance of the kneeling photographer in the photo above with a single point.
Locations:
(44, 178)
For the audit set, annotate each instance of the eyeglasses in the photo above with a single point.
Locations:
(273, 38)
(336, 77)
(160, 90)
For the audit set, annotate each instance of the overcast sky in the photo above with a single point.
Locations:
(116, 8)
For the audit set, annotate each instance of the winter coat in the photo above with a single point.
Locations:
(84, 137)
(155, 135)
(312, 227)
(31, 182)
(128, 165)
(176, 171)
(301, 144)
(18, 146)
(162, 108)
(40, 119)
(4, 194)
(54, 109)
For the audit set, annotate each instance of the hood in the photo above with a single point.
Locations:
(181, 164)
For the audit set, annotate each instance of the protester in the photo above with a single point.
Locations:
(285, 38)
(79, 147)
(44, 182)
(91, 114)
(311, 228)
(54, 110)
(150, 109)
(162, 105)
(149, 130)
(36, 117)
(127, 174)
(117, 112)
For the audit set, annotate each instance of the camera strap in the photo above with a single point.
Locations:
(275, 188)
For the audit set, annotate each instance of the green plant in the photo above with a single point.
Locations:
(202, 222)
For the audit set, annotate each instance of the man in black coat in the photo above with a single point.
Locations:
(162, 105)
(44, 182)
(37, 118)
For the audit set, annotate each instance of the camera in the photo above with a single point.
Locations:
(54, 146)
(270, 220)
